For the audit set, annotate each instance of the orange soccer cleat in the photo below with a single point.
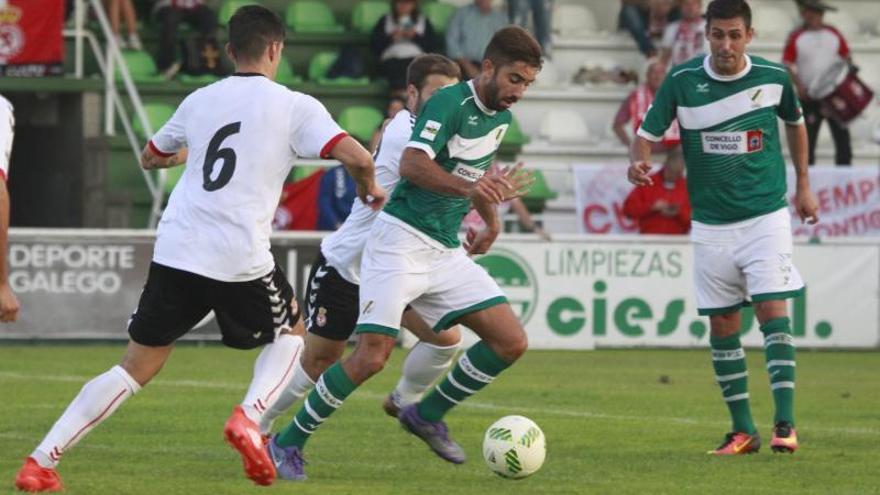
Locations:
(784, 438)
(35, 478)
(737, 442)
(244, 436)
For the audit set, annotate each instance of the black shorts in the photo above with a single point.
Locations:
(331, 302)
(249, 313)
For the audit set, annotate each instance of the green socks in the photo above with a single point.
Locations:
(779, 351)
(729, 361)
(475, 369)
(331, 389)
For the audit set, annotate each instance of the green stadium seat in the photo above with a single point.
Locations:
(321, 63)
(228, 7)
(367, 13)
(157, 114)
(515, 135)
(141, 67)
(311, 16)
(537, 197)
(361, 121)
(439, 14)
(203, 80)
(285, 74)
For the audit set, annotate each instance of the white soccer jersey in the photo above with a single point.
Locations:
(243, 134)
(7, 132)
(343, 248)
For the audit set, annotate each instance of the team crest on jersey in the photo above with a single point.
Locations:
(321, 317)
(429, 132)
(755, 97)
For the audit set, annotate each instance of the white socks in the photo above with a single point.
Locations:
(273, 371)
(423, 365)
(298, 387)
(96, 402)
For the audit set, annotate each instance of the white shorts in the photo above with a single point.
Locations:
(743, 262)
(400, 268)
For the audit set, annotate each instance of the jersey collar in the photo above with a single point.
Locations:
(707, 65)
(248, 74)
(483, 108)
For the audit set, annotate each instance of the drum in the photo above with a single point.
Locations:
(843, 95)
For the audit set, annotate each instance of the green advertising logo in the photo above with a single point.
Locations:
(515, 277)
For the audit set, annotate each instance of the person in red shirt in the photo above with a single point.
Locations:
(662, 207)
(812, 50)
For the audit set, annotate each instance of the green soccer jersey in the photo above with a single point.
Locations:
(729, 135)
(458, 132)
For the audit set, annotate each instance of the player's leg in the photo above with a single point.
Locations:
(720, 292)
(772, 278)
(250, 314)
(425, 362)
(169, 306)
(331, 311)
(464, 293)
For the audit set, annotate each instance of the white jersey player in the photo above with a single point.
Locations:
(332, 290)
(8, 302)
(212, 248)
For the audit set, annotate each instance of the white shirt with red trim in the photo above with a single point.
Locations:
(243, 134)
(7, 133)
(814, 51)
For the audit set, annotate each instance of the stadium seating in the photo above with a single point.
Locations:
(439, 14)
(771, 22)
(515, 135)
(141, 67)
(575, 21)
(564, 126)
(285, 74)
(549, 76)
(311, 16)
(321, 63)
(361, 122)
(228, 7)
(157, 114)
(539, 194)
(367, 13)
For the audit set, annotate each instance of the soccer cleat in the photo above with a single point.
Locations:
(436, 435)
(36, 478)
(390, 405)
(784, 438)
(288, 461)
(737, 442)
(244, 436)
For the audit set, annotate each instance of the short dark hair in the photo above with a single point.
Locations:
(729, 9)
(429, 64)
(251, 29)
(513, 44)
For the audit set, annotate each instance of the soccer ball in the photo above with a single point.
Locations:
(514, 447)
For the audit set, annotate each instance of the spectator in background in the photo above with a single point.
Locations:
(398, 38)
(335, 197)
(542, 13)
(811, 51)
(686, 38)
(124, 8)
(9, 304)
(170, 13)
(395, 104)
(646, 20)
(473, 222)
(662, 207)
(468, 33)
(635, 106)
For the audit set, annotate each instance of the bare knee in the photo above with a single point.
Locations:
(448, 338)
(512, 347)
(144, 362)
(369, 357)
(725, 325)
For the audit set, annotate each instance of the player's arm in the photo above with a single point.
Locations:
(789, 110)
(359, 164)
(167, 147)
(9, 304)
(480, 242)
(659, 117)
(152, 158)
(417, 167)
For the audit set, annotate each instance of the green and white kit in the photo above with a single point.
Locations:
(736, 177)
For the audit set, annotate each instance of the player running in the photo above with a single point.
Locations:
(727, 105)
(413, 255)
(332, 289)
(243, 134)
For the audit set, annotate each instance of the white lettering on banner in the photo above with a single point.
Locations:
(468, 173)
(68, 268)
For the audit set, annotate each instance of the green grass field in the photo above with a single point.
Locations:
(616, 421)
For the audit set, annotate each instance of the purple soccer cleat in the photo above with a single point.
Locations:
(436, 435)
(288, 461)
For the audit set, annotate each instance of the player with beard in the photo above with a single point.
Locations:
(413, 255)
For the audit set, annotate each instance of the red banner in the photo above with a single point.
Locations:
(31, 44)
